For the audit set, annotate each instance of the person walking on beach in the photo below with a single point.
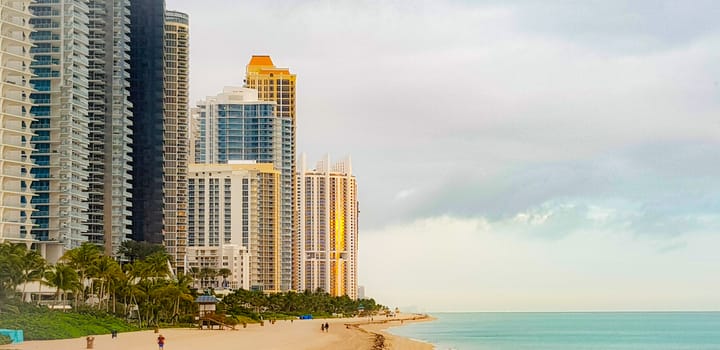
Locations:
(327, 326)
(161, 342)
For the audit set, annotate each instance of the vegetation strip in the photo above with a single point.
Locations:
(96, 294)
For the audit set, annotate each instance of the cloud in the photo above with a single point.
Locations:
(659, 188)
(404, 194)
(634, 27)
(557, 219)
(459, 264)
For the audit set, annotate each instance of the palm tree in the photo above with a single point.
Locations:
(108, 272)
(32, 268)
(181, 285)
(83, 259)
(158, 264)
(64, 278)
(11, 265)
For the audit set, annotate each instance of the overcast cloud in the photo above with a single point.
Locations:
(563, 121)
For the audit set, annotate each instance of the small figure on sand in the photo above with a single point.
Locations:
(161, 342)
(327, 326)
(113, 333)
(322, 327)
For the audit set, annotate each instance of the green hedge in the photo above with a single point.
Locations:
(45, 324)
(4, 339)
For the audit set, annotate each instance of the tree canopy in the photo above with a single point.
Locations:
(135, 250)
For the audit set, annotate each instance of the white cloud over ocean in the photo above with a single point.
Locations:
(455, 264)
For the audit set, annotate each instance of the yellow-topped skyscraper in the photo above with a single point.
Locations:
(278, 85)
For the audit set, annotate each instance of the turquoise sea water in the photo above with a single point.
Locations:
(564, 331)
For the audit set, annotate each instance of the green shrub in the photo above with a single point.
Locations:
(4, 339)
(45, 324)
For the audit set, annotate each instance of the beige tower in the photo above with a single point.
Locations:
(233, 218)
(15, 135)
(278, 85)
(328, 213)
(176, 150)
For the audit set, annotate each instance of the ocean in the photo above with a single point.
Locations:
(561, 331)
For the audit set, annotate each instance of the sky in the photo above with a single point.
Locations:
(510, 155)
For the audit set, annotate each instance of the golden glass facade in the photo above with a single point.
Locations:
(328, 237)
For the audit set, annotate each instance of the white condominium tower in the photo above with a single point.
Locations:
(82, 126)
(15, 117)
(60, 107)
(233, 217)
(328, 239)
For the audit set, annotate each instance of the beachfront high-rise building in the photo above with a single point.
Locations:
(236, 126)
(328, 239)
(232, 218)
(60, 107)
(147, 42)
(175, 143)
(110, 122)
(278, 85)
(15, 117)
(83, 119)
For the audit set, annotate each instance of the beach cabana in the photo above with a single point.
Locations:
(207, 316)
(206, 305)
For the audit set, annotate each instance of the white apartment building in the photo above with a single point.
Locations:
(326, 247)
(82, 124)
(233, 222)
(60, 66)
(230, 256)
(15, 118)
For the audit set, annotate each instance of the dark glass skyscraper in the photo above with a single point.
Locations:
(147, 36)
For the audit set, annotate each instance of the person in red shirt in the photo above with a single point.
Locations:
(161, 342)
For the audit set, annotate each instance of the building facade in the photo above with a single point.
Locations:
(328, 239)
(278, 85)
(147, 41)
(15, 117)
(236, 126)
(61, 126)
(110, 123)
(83, 124)
(176, 148)
(233, 217)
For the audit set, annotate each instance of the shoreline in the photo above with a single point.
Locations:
(344, 333)
(382, 339)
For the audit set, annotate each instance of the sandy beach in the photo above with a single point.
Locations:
(348, 333)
